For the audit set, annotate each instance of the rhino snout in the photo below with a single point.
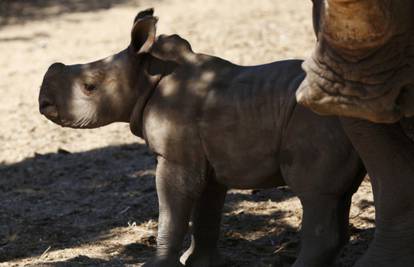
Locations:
(47, 105)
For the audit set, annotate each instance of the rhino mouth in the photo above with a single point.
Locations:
(67, 123)
(78, 125)
(59, 121)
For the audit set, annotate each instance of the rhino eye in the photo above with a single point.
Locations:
(88, 88)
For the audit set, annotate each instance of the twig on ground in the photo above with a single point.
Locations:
(45, 253)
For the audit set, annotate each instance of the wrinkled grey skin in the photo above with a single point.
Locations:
(363, 67)
(388, 154)
(363, 63)
(213, 126)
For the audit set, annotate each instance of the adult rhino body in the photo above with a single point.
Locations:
(363, 67)
(213, 125)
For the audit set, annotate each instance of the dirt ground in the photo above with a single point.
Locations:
(87, 197)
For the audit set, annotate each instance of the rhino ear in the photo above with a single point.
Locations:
(143, 32)
(144, 13)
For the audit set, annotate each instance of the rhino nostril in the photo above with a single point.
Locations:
(44, 104)
(48, 109)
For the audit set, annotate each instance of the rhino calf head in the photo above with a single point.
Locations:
(363, 64)
(98, 93)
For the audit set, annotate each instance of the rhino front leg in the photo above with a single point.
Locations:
(324, 229)
(175, 206)
(388, 155)
(206, 221)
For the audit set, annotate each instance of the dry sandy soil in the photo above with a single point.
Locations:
(87, 197)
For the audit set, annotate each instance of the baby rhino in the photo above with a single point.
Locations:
(213, 125)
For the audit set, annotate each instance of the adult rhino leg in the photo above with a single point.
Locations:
(205, 228)
(388, 155)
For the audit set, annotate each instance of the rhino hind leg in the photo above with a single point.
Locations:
(324, 229)
(408, 126)
(205, 229)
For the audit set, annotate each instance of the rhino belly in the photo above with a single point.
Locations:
(242, 160)
(249, 175)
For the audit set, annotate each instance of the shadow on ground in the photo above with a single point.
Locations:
(64, 200)
(23, 11)
(68, 200)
